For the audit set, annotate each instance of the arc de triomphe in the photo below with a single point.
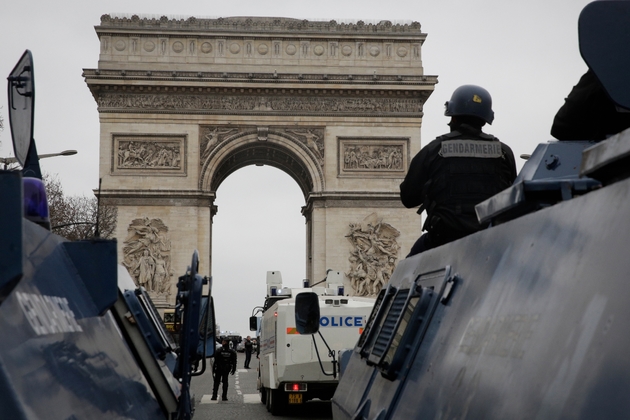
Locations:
(184, 103)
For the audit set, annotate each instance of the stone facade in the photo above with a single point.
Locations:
(184, 103)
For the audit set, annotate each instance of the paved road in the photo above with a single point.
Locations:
(244, 400)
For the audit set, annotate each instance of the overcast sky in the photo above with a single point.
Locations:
(524, 53)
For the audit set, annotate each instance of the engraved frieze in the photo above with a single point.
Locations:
(149, 154)
(299, 104)
(147, 255)
(367, 157)
(379, 157)
(374, 254)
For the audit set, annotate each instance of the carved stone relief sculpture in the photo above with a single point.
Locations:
(314, 141)
(211, 137)
(372, 156)
(374, 254)
(147, 255)
(149, 154)
(118, 102)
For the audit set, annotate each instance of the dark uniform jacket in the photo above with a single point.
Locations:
(452, 174)
(249, 346)
(588, 113)
(225, 360)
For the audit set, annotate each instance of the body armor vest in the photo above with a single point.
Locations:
(466, 172)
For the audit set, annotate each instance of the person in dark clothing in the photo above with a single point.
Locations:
(249, 346)
(457, 171)
(224, 364)
(588, 113)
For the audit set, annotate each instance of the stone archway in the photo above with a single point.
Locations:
(228, 148)
(184, 103)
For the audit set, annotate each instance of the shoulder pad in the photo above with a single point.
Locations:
(487, 136)
(450, 135)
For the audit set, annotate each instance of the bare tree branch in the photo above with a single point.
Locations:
(74, 217)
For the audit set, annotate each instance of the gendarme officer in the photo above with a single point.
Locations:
(224, 364)
(457, 171)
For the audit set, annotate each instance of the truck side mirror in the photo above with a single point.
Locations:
(207, 327)
(253, 323)
(307, 313)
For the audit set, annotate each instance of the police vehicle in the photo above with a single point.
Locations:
(233, 337)
(526, 319)
(78, 339)
(295, 368)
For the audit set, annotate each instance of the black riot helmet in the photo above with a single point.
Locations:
(472, 101)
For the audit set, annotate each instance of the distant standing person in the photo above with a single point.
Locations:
(457, 171)
(249, 346)
(224, 364)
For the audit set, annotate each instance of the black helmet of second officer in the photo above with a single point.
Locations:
(472, 101)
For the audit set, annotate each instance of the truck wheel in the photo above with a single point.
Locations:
(263, 395)
(277, 404)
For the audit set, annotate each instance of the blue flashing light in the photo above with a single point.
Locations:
(36, 202)
(274, 290)
(340, 291)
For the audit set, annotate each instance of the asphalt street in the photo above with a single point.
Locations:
(244, 400)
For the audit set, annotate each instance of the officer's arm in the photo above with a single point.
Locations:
(411, 188)
(509, 156)
(584, 114)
